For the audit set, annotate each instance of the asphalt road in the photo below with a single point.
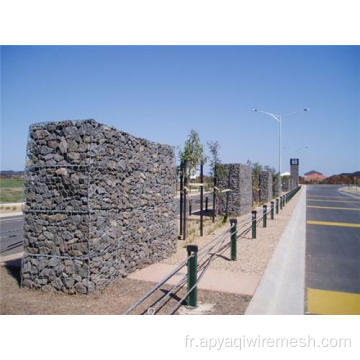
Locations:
(195, 200)
(332, 268)
(11, 235)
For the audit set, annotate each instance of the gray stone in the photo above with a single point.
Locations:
(79, 287)
(266, 186)
(53, 261)
(238, 201)
(99, 204)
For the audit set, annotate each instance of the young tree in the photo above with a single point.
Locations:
(193, 151)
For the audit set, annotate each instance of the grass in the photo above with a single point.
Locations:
(11, 183)
(11, 190)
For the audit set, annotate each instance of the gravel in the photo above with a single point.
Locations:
(253, 255)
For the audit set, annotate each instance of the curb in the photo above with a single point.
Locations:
(13, 257)
(282, 288)
(11, 215)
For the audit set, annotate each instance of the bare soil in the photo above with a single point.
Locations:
(114, 300)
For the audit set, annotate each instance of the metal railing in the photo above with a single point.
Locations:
(198, 261)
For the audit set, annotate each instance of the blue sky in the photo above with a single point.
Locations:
(161, 93)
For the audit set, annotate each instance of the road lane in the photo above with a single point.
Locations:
(11, 235)
(332, 252)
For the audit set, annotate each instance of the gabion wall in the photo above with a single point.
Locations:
(238, 201)
(266, 193)
(99, 204)
(286, 183)
(276, 187)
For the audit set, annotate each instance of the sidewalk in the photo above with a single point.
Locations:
(214, 280)
(281, 290)
(11, 214)
(11, 209)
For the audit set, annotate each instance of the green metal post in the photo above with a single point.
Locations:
(190, 207)
(264, 215)
(233, 231)
(277, 206)
(272, 210)
(281, 203)
(206, 204)
(192, 251)
(253, 225)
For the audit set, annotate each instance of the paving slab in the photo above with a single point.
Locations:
(213, 280)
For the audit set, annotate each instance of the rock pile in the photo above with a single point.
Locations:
(266, 193)
(276, 187)
(238, 201)
(99, 204)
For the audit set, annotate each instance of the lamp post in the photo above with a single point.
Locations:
(278, 118)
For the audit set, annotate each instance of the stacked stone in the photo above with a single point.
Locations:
(276, 187)
(266, 186)
(99, 204)
(238, 201)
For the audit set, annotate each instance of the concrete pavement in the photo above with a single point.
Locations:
(281, 290)
(214, 280)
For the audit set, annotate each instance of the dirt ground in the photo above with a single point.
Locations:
(115, 300)
(253, 256)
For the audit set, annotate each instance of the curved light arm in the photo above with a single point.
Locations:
(274, 116)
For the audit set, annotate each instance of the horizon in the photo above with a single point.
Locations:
(162, 92)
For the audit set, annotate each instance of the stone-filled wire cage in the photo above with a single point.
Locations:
(237, 178)
(99, 204)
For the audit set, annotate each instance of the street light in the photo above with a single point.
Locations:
(278, 118)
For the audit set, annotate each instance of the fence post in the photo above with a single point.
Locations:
(202, 199)
(281, 202)
(184, 200)
(253, 225)
(181, 197)
(214, 196)
(264, 215)
(190, 207)
(272, 210)
(233, 231)
(192, 251)
(277, 206)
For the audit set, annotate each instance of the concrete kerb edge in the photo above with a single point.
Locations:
(282, 288)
